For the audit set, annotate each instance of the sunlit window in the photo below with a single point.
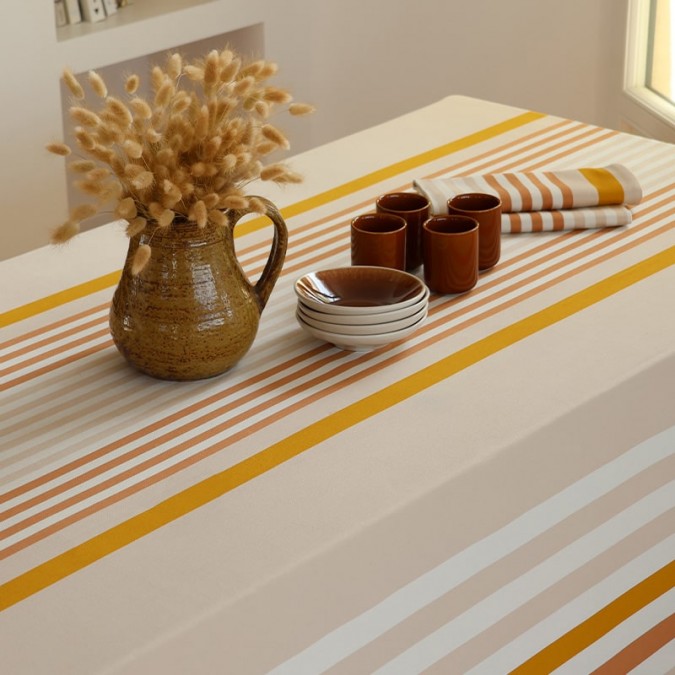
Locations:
(660, 76)
(650, 57)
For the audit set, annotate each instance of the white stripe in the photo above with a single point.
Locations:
(556, 192)
(571, 615)
(516, 593)
(626, 632)
(363, 629)
(516, 199)
(533, 189)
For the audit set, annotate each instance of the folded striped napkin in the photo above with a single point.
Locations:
(538, 201)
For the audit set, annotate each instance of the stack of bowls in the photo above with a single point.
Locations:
(361, 308)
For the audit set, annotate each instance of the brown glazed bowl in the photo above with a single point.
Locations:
(359, 290)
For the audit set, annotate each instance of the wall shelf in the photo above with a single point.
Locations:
(141, 10)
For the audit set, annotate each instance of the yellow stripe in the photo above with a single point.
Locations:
(587, 632)
(610, 190)
(215, 486)
(60, 298)
(302, 206)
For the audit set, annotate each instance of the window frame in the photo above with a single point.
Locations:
(637, 59)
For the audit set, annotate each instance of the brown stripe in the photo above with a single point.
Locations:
(523, 191)
(51, 353)
(641, 649)
(567, 195)
(52, 326)
(503, 193)
(538, 149)
(82, 354)
(544, 191)
(521, 146)
(537, 221)
(557, 221)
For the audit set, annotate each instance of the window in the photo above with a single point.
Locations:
(660, 75)
(650, 57)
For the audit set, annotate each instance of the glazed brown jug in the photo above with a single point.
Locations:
(192, 312)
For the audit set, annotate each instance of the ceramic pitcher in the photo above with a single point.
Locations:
(192, 312)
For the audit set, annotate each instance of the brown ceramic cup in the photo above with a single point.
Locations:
(487, 210)
(414, 209)
(378, 239)
(450, 251)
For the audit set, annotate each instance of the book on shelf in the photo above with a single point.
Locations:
(92, 10)
(73, 11)
(110, 6)
(60, 13)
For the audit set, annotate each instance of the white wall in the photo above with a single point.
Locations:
(360, 61)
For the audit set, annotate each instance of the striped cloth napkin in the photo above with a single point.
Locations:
(539, 201)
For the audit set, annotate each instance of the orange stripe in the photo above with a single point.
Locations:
(586, 633)
(82, 354)
(519, 148)
(51, 326)
(537, 221)
(504, 195)
(39, 344)
(52, 352)
(567, 195)
(525, 194)
(557, 220)
(641, 649)
(544, 191)
(515, 223)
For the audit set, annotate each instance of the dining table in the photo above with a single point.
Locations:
(494, 493)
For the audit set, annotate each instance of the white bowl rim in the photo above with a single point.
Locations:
(361, 342)
(362, 319)
(364, 329)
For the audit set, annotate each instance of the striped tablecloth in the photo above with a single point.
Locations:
(494, 494)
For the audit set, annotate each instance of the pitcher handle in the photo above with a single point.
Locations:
(263, 287)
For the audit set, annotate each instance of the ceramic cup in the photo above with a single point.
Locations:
(450, 251)
(487, 210)
(378, 239)
(414, 209)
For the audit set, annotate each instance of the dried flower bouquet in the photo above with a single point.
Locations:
(186, 153)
